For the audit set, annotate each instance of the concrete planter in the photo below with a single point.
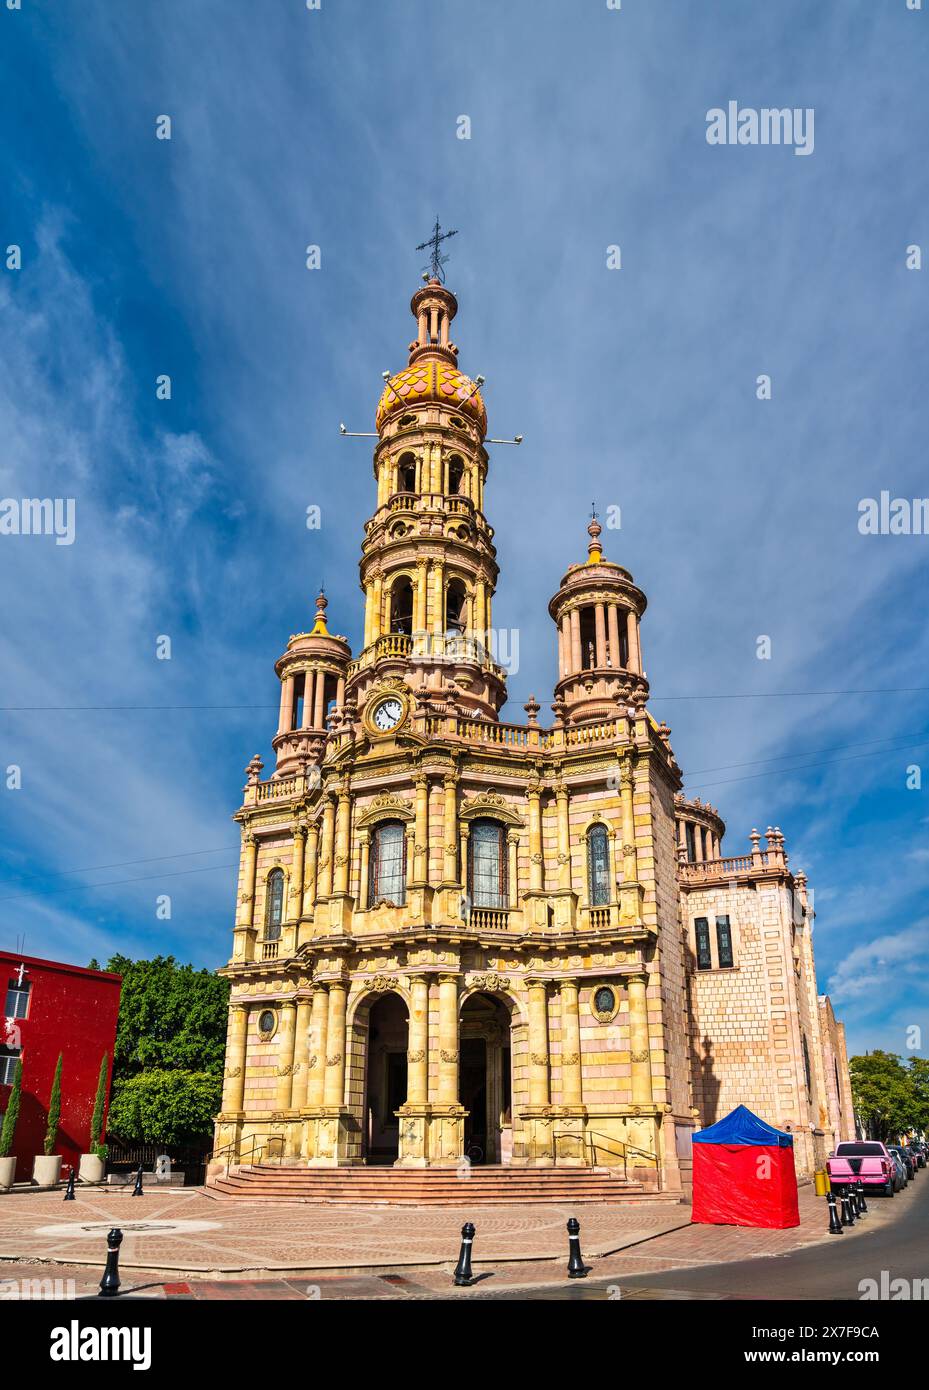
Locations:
(46, 1170)
(91, 1169)
(7, 1173)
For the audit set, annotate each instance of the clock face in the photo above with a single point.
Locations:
(388, 715)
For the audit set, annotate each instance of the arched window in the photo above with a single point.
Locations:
(454, 606)
(401, 605)
(598, 866)
(274, 905)
(588, 639)
(387, 864)
(487, 868)
(406, 473)
(455, 473)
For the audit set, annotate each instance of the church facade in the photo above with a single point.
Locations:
(459, 939)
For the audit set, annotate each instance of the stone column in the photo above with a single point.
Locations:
(536, 868)
(635, 655)
(334, 1090)
(285, 1055)
(600, 631)
(319, 709)
(417, 1085)
(564, 839)
(326, 849)
(563, 641)
(342, 842)
(364, 870)
(577, 662)
(480, 611)
(377, 607)
(448, 1040)
(247, 875)
(316, 1063)
(450, 830)
(309, 677)
(285, 718)
(421, 834)
(419, 600)
(626, 784)
(538, 1043)
(616, 651)
(438, 597)
(295, 904)
(369, 612)
(309, 867)
(463, 833)
(234, 1073)
(570, 1044)
(512, 842)
(638, 1039)
(301, 1056)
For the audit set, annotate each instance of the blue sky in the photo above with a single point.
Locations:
(633, 387)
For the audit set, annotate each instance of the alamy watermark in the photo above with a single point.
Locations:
(893, 516)
(38, 516)
(771, 125)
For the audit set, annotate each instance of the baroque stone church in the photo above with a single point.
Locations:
(461, 940)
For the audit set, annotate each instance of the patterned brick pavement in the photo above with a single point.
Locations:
(183, 1243)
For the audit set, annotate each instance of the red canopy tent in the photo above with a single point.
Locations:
(744, 1174)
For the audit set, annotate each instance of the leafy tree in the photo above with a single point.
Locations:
(54, 1111)
(96, 1122)
(171, 1018)
(919, 1075)
(165, 1107)
(12, 1112)
(885, 1094)
(94, 964)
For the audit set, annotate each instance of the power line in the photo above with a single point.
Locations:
(811, 753)
(112, 882)
(827, 762)
(122, 864)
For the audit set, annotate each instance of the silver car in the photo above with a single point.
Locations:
(900, 1174)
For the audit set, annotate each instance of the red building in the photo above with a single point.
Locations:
(54, 1009)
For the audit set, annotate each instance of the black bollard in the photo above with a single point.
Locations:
(835, 1225)
(463, 1276)
(850, 1207)
(109, 1284)
(853, 1197)
(137, 1190)
(69, 1190)
(576, 1267)
(862, 1203)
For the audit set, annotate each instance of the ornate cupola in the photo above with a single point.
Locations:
(429, 568)
(312, 673)
(597, 611)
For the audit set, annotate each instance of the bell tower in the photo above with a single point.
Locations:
(428, 567)
(597, 611)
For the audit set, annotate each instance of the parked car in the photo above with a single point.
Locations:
(901, 1177)
(900, 1152)
(918, 1153)
(866, 1160)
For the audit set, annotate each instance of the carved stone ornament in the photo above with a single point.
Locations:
(230, 1072)
(640, 1056)
(286, 1071)
(334, 1060)
(448, 1056)
(571, 1059)
(490, 983)
(311, 1063)
(380, 983)
(539, 1059)
(414, 1057)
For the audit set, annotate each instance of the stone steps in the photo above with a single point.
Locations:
(427, 1186)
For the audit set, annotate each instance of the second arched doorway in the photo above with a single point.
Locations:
(485, 1079)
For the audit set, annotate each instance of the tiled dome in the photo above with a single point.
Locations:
(431, 381)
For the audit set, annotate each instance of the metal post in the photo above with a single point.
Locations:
(463, 1275)
(835, 1225)
(69, 1190)
(862, 1202)
(109, 1284)
(137, 1190)
(576, 1267)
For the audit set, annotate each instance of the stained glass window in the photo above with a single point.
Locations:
(598, 866)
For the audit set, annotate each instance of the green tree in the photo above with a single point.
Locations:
(885, 1094)
(171, 1018)
(919, 1075)
(12, 1111)
(96, 1122)
(54, 1111)
(165, 1107)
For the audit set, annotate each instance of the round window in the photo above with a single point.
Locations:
(604, 1001)
(266, 1021)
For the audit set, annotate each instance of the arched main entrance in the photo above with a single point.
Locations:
(385, 1051)
(485, 1079)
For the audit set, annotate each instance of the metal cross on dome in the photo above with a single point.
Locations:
(436, 259)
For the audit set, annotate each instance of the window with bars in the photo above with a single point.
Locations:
(724, 943)
(9, 1056)
(17, 999)
(274, 905)
(806, 1065)
(598, 866)
(387, 864)
(487, 875)
(702, 930)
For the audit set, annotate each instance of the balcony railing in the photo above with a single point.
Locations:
(489, 918)
(270, 950)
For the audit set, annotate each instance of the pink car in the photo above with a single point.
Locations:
(864, 1160)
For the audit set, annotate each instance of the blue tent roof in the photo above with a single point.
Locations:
(741, 1126)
